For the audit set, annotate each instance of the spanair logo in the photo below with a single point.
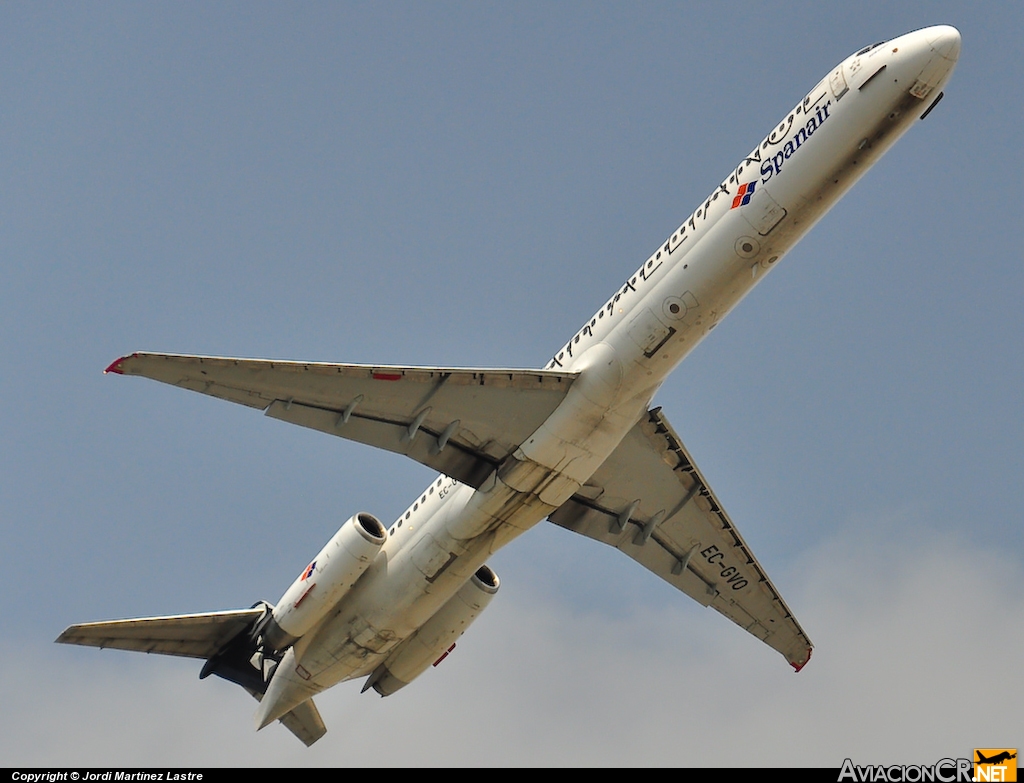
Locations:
(998, 764)
(308, 572)
(743, 194)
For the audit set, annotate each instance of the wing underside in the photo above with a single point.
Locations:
(650, 501)
(461, 422)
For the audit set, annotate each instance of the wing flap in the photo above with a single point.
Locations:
(455, 459)
(650, 501)
(462, 422)
(187, 635)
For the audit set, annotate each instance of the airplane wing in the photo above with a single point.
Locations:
(650, 501)
(188, 635)
(460, 422)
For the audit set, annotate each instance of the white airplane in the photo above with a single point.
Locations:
(575, 442)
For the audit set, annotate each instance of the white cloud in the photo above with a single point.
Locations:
(916, 658)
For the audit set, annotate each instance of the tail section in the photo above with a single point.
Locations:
(303, 721)
(231, 642)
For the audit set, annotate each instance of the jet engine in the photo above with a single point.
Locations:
(432, 643)
(325, 580)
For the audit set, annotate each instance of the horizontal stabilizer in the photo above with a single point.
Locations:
(303, 721)
(188, 635)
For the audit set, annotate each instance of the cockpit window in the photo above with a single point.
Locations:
(867, 49)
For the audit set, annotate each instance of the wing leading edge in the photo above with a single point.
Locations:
(460, 422)
(650, 501)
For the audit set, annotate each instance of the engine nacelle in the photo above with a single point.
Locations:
(437, 636)
(325, 580)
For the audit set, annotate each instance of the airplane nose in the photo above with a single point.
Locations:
(927, 57)
(944, 41)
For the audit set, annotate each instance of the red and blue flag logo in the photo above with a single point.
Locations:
(308, 572)
(743, 194)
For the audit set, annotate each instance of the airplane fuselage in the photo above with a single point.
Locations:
(624, 353)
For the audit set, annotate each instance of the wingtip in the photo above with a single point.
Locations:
(115, 366)
(65, 636)
(798, 666)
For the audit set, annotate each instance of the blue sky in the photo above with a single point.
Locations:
(463, 184)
